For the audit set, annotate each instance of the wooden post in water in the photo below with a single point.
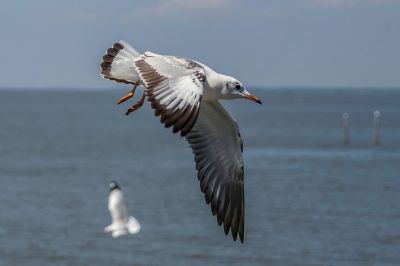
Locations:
(346, 131)
(376, 126)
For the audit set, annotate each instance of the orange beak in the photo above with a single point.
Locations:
(252, 97)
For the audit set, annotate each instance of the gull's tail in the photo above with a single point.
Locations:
(133, 225)
(118, 63)
(119, 232)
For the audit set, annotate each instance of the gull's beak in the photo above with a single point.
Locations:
(125, 98)
(252, 97)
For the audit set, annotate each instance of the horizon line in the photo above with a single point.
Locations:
(268, 87)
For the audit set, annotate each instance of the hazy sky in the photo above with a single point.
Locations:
(48, 43)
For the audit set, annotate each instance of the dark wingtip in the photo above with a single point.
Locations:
(184, 133)
(219, 219)
(226, 228)
(234, 236)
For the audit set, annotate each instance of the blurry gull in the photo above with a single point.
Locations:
(121, 224)
(186, 94)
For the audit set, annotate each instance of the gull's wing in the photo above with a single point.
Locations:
(217, 147)
(133, 225)
(174, 86)
(117, 208)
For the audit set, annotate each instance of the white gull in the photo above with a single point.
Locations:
(121, 224)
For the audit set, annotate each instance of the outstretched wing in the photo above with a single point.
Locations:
(218, 147)
(174, 86)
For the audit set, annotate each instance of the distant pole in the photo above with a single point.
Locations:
(346, 131)
(376, 125)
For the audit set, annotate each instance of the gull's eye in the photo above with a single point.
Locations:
(237, 86)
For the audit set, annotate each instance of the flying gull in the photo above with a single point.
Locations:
(185, 94)
(121, 224)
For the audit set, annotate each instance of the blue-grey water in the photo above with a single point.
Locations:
(309, 200)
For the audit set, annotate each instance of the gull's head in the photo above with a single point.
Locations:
(234, 89)
(114, 185)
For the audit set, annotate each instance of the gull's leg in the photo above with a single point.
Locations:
(136, 105)
(128, 95)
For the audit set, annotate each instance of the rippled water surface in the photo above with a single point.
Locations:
(309, 200)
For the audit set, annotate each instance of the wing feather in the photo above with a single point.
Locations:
(174, 87)
(217, 148)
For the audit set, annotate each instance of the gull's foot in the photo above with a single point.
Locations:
(126, 97)
(136, 105)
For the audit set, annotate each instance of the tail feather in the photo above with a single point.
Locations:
(129, 48)
(119, 63)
